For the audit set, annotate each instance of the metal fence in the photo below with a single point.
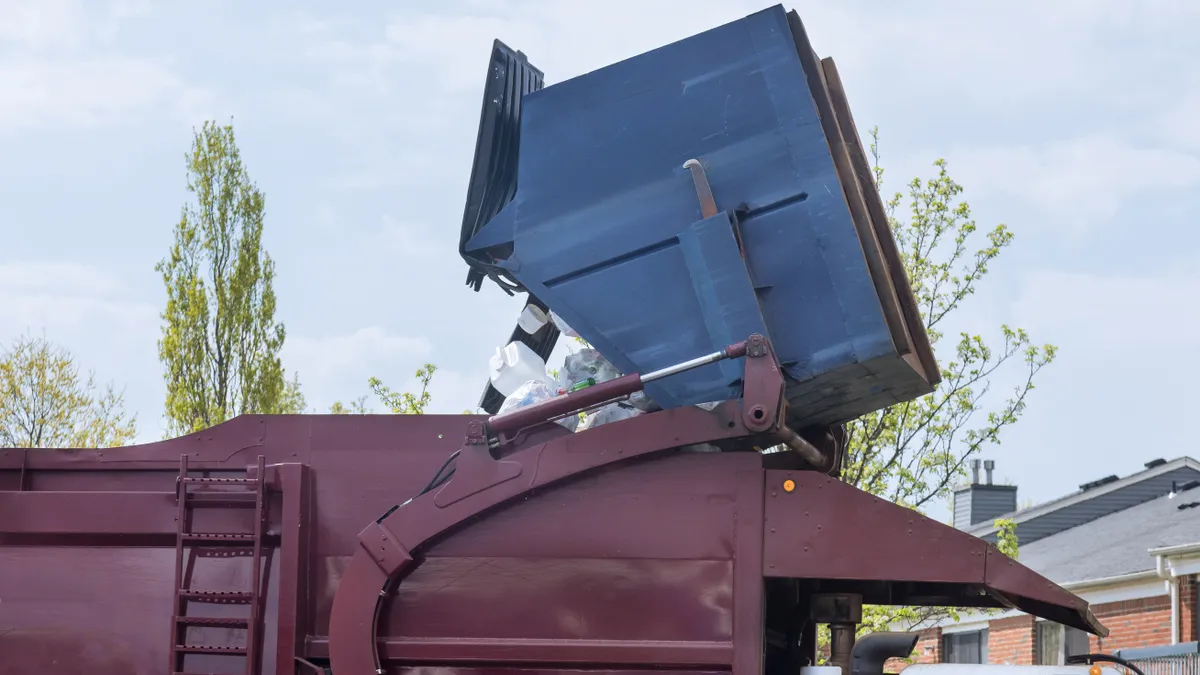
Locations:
(1182, 664)
(1182, 659)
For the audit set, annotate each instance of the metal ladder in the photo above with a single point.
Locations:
(252, 495)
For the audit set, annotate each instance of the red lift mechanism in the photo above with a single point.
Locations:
(390, 547)
(486, 476)
(86, 531)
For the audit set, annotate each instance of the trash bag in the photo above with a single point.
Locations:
(613, 412)
(589, 363)
(536, 391)
(583, 365)
(643, 402)
(562, 326)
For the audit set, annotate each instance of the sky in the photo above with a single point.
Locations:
(1074, 122)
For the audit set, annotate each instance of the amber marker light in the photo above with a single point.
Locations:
(789, 485)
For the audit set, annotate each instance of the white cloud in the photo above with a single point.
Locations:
(407, 239)
(38, 93)
(64, 24)
(62, 297)
(63, 276)
(452, 392)
(1080, 181)
(1116, 316)
(43, 24)
(1180, 124)
(564, 39)
(336, 367)
(97, 317)
(907, 61)
(1125, 365)
(53, 73)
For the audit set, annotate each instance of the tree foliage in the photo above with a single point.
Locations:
(45, 402)
(1006, 537)
(396, 403)
(914, 453)
(220, 343)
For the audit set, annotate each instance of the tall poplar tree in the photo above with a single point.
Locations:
(220, 342)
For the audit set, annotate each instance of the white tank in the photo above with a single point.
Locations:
(1001, 669)
(513, 365)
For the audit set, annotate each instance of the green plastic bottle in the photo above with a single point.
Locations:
(583, 384)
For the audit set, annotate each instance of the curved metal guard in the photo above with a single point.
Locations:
(388, 549)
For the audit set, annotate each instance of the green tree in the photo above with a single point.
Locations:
(914, 453)
(45, 402)
(220, 343)
(396, 403)
(1006, 537)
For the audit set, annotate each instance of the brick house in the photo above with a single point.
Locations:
(1129, 546)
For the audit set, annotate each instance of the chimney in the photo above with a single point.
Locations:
(981, 503)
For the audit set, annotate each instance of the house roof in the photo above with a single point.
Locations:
(1095, 500)
(1119, 543)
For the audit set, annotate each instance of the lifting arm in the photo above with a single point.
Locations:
(390, 548)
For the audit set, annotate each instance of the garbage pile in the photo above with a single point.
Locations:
(520, 375)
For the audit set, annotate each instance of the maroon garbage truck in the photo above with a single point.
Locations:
(367, 544)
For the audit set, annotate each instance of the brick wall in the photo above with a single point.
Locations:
(1134, 623)
(1144, 622)
(929, 650)
(1011, 641)
(1189, 594)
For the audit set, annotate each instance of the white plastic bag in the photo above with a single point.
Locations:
(535, 391)
(562, 325)
(584, 364)
(589, 363)
(642, 402)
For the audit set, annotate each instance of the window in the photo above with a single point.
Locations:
(1056, 642)
(968, 647)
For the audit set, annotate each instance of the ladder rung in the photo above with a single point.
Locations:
(217, 597)
(226, 499)
(209, 649)
(213, 621)
(217, 538)
(225, 552)
(194, 480)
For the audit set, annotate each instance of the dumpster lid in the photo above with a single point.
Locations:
(493, 182)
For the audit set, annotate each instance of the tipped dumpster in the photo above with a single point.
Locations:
(669, 204)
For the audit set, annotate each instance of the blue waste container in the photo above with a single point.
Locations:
(580, 197)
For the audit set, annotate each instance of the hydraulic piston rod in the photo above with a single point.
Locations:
(603, 392)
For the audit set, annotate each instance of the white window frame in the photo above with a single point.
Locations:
(981, 631)
(1060, 631)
